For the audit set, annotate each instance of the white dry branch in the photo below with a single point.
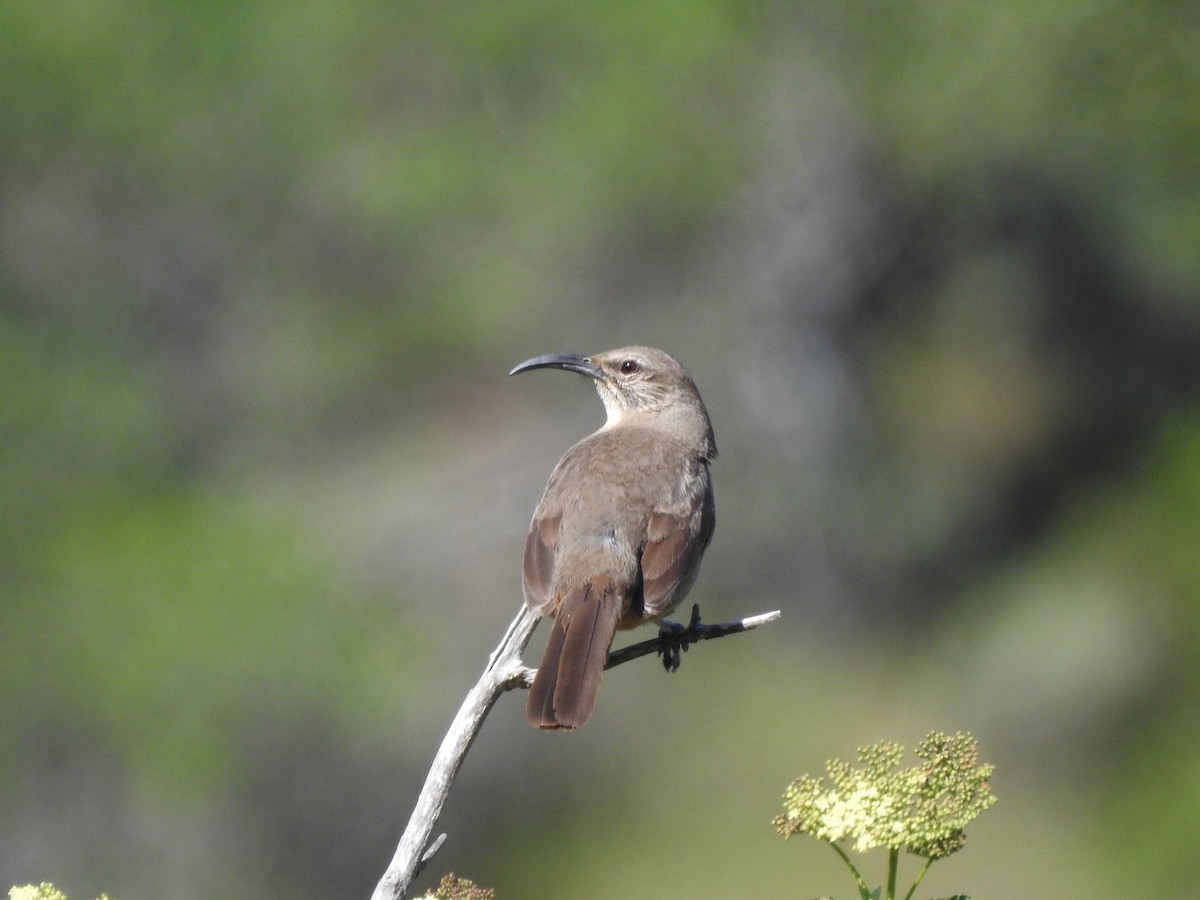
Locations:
(504, 672)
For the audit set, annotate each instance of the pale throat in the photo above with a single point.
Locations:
(618, 413)
(615, 414)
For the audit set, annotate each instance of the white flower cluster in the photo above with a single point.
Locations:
(876, 804)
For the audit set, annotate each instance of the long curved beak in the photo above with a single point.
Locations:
(568, 361)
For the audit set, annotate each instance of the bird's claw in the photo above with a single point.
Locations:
(675, 638)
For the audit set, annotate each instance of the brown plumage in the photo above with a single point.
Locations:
(617, 537)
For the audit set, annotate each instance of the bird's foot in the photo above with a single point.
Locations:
(675, 638)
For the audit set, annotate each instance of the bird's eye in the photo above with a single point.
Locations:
(629, 367)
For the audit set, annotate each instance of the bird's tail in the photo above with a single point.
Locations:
(564, 690)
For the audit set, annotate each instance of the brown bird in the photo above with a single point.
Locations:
(617, 537)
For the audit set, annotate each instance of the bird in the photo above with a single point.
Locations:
(627, 513)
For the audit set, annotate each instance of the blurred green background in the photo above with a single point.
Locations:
(264, 483)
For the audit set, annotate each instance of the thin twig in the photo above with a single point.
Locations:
(682, 636)
(504, 672)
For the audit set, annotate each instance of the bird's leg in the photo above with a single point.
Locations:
(675, 638)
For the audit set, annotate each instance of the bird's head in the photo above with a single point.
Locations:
(634, 383)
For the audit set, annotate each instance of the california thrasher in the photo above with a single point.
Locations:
(617, 537)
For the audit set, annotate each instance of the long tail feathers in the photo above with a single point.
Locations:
(539, 705)
(564, 690)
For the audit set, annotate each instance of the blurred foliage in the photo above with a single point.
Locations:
(262, 267)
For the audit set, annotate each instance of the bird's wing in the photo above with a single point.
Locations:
(675, 542)
(537, 571)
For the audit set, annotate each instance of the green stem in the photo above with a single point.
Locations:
(863, 891)
(893, 865)
(925, 868)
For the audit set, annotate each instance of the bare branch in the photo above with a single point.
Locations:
(504, 672)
